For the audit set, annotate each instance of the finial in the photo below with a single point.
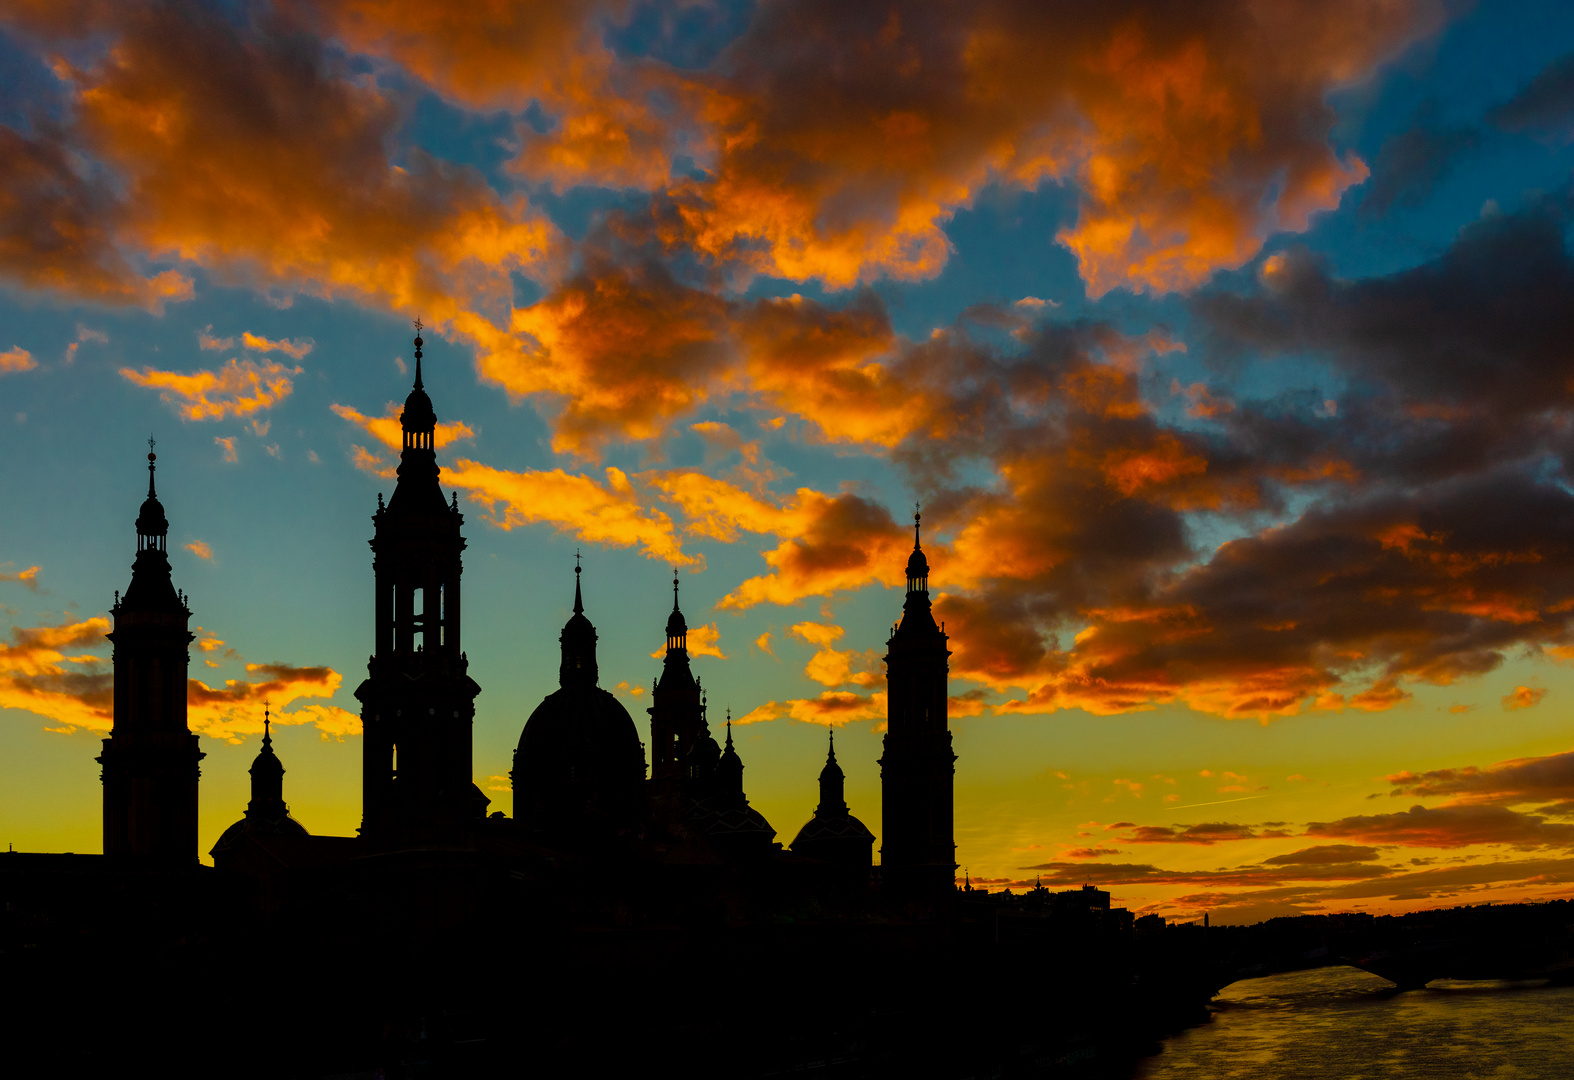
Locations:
(916, 517)
(674, 588)
(152, 457)
(267, 734)
(456, 502)
(729, 727)
(380, 502)
(831, 757)
(418, 344)
(579, 605)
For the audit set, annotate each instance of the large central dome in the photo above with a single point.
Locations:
(580, 762)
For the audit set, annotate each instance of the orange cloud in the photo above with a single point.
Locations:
(15, 359)
(1523, 697)
(234, 711)
(57, 231)
(250, 150)
(296, 349)
(228, 446)
(609, 513)
(830, 543)
(239, 388)
(200, 549)
(386, 428)
(1449, 827)
(367, 461)
(833, 708)
(28, 577)
(206, 341)
(624, 352)
(37, 674)
(832, 667)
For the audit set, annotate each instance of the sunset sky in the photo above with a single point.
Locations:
(1226, 345)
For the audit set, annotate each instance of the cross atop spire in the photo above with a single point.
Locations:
(916, 518)
(579, 605)
(267, 734)
(674, 588)
(729, 727)
(418, 344)
(152, 457)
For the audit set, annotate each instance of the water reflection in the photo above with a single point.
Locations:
(1340, 1023)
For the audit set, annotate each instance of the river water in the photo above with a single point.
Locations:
(1340, 1023)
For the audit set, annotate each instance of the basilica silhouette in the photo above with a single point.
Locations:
(428, 856)
(634, 912)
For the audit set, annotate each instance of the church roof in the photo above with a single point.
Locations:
(832, 828)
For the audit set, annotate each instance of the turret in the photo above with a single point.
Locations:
(150, 760)
(418, 701)
(917, 768)
(833, 835)
(683, 753)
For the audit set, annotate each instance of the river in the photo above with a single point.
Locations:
(1340, 1023)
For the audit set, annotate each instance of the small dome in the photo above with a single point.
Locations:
(151, 520)
(677, 625)
(418, 413)
(917, 565)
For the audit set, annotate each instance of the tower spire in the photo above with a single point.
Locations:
(152, 458)
(418, 344)
(579, 604)
(267, 735)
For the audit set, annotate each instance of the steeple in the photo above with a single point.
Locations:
(677, 626)
(418, 702)
(833, 799)
(150, 759)
(579, 644)
(729, 773)
(917, 767)
(267, 778)
(417, 490)
(917, 564)
(683, 754)
(833, 835)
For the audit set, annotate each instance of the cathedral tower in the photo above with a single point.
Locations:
(683, 752)
(918, 856)
(418, 701)
(150, 758)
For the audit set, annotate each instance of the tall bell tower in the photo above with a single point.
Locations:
(683, 752)
(150, 758)
(418, 701)
(917, 770)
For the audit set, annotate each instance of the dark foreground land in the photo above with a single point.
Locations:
(108, 972)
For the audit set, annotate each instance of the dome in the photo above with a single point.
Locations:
(917, 564)
(258, 826)
(677, 625)
(842, 828)
(150, 519)
(579, 749)
(418, 413)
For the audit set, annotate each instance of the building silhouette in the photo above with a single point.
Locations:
(590, 925)
(418, 700)
(150, 759)
(918, 855)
